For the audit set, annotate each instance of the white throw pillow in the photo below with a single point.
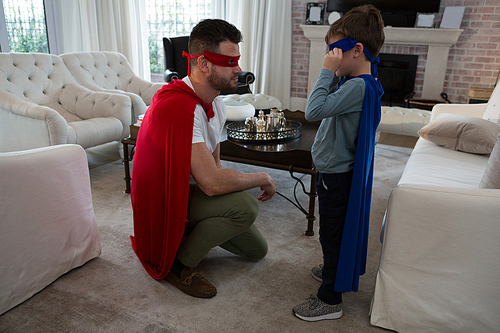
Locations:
(461, 132)
(491, 176)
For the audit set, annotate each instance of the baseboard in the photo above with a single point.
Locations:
(298, 104)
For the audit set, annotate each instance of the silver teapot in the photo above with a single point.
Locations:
(275, 121)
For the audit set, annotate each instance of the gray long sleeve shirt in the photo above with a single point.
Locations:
(334, 148)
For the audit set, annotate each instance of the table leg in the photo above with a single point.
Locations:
(126, 163)
(312, 198)
(312, 202)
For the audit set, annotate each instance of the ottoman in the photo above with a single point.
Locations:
(403, 121)
(259, 101)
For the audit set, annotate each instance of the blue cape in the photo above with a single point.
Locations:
(352, 258)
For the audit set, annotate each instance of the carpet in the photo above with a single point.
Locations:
(113, 293)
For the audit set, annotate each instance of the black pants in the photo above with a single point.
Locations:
(333, 196)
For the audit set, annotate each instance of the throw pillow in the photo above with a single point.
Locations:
(460, 132)
(491, 176)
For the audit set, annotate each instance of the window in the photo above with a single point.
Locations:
(171, 18)
(26, 26)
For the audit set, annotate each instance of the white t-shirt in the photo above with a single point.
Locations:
(208, 131)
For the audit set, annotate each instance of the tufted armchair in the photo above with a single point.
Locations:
(111, 71)
(41, 104)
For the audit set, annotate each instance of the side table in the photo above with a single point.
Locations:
(126, 161)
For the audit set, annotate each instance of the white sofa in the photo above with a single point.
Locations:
(439, 269)
(111, 72)
(41, 104)
(47, 222)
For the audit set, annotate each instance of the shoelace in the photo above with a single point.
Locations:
(189, 279)
(314, 301)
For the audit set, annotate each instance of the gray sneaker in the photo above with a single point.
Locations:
(317, 272)
(315, 309)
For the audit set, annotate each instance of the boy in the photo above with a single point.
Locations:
(343, 155)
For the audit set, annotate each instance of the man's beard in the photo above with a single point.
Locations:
(219, 83)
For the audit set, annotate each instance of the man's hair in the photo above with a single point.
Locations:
(364, 24)
(209, 33)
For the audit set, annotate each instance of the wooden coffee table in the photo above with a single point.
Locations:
(292, 155)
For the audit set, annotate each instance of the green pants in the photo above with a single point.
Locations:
(225, 221)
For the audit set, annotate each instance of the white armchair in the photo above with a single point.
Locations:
(41, 104)
(47, 224)
(110, 71)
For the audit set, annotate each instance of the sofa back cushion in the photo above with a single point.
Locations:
(492, 111)
(34, 77)
(107, 70)
(491, 176)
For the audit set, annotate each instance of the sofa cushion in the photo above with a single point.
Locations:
(491, 177)
(433, 165)
(461, 132)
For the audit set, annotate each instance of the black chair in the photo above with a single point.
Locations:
(176, 66)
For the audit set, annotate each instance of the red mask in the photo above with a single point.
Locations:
(214, 58)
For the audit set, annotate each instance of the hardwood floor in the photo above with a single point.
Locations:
(397, 140)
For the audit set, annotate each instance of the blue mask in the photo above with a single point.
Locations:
(348, 43)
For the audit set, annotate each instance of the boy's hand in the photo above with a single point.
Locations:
(332, 60)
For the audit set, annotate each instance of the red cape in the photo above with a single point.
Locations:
(160, 177)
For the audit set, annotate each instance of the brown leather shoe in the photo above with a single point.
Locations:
(192, 283)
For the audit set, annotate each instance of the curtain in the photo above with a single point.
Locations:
(106, 25)
(267, 38)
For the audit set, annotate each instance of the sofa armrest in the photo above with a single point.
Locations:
(145, 89)
(473, 110)
(428, 208)
(440, 247)
(45, 126)
(88, 104)
(48, 224)
(105, 105)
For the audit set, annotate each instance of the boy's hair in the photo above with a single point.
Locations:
(364, 24)
(209, 33)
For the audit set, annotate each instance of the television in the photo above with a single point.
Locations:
(399, 13)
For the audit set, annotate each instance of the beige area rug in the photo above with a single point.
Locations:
(113, 293)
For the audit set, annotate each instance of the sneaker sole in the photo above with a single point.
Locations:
(330, 316)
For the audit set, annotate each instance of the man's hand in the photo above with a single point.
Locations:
(332, 60)
(269, 189)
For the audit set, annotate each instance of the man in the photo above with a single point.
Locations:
(176, 222)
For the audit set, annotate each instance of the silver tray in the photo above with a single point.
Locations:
(237, 131)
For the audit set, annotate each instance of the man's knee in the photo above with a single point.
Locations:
(245, 209)
(259, 252)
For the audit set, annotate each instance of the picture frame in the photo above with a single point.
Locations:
(315, 13)
(425, 20)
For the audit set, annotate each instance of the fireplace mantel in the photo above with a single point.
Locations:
(439, 42)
